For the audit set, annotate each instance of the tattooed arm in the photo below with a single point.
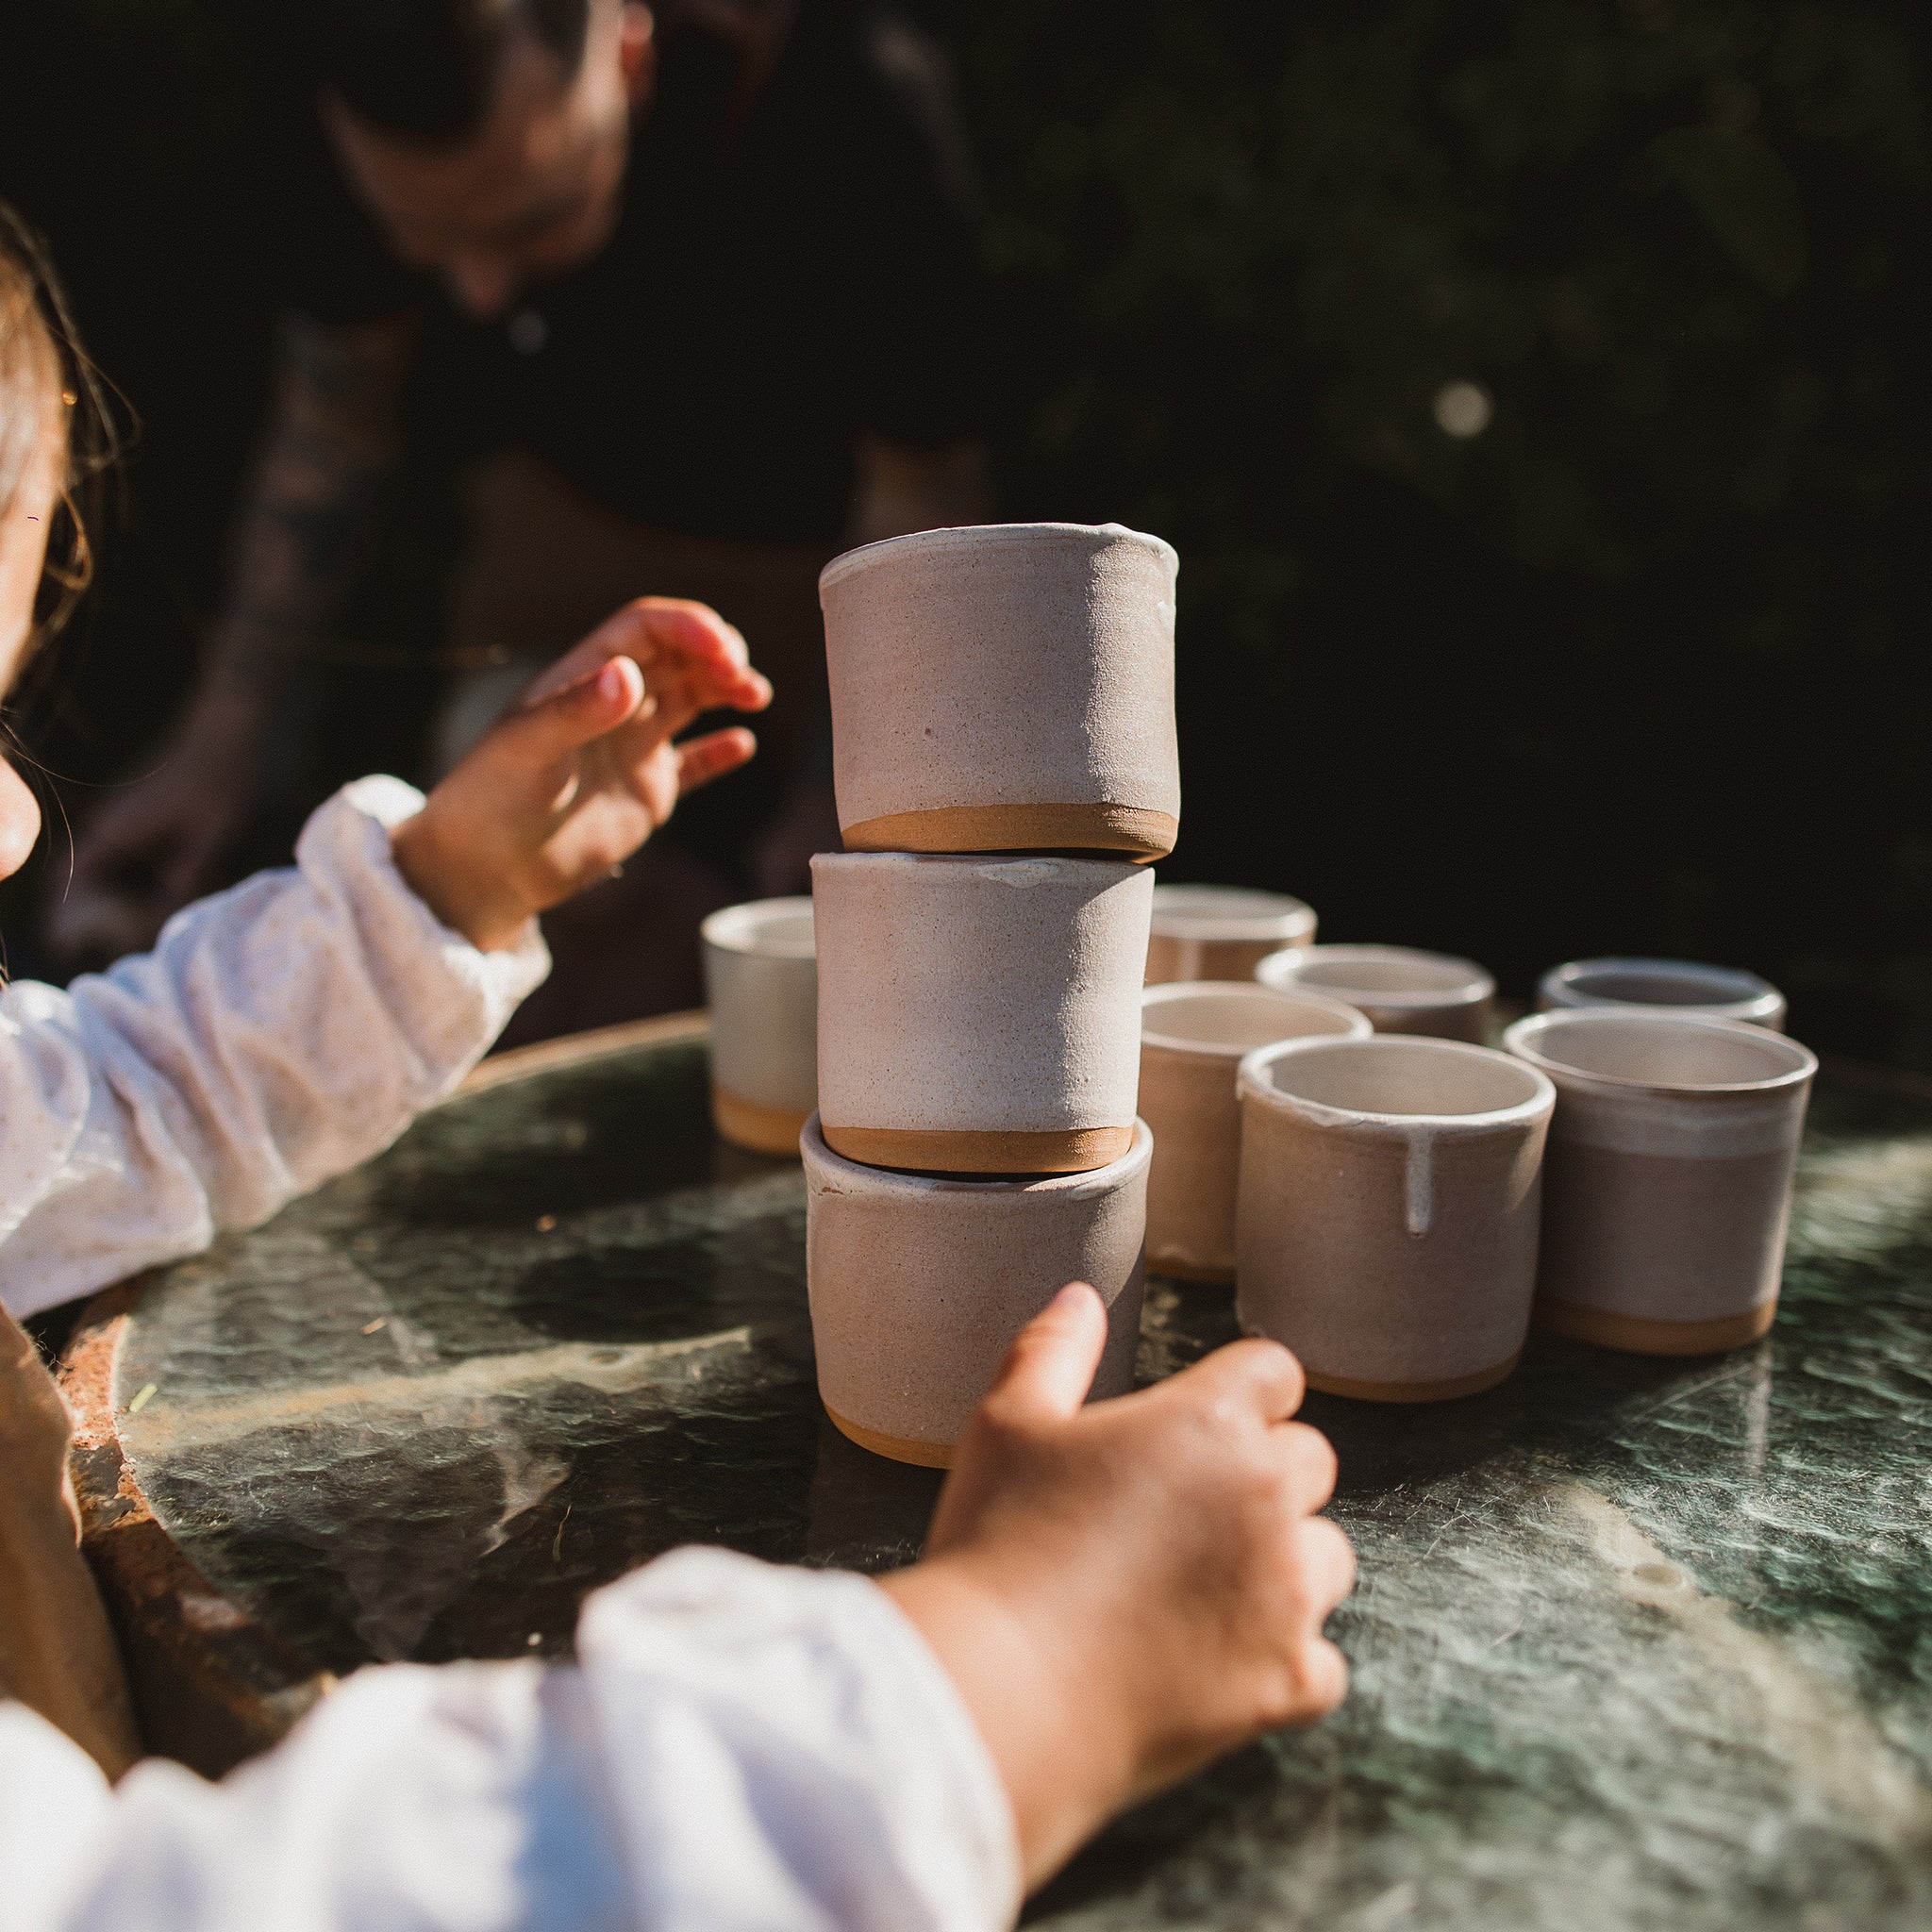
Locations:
(310, 518)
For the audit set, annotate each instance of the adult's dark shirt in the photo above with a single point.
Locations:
(784, 278)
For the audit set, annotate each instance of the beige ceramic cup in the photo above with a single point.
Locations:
(1718, 992)
(761, 986)
(1221, 932)
(1194, 1034)
(1401, 990)
(1669, 1181)
(1387, 1229)
(979, 1015)
(919, 1283)
(1008, 687)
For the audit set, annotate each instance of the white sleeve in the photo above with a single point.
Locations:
(740, 1748)
(277, 1034)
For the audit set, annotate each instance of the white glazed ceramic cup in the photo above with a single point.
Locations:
(1669, 1177)
(979, 1015)
(1194, 1034)
(919, 1283)
(1401, 990)
(1221, 932)
(1717, 993)
(761, 984)
(1387, 1229)
(1008, 687)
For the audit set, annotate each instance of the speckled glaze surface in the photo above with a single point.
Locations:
(1193, 1037)
(963, 997)
(1401, 990)
(1005, 687)
(1669, 1174)
(1718, 992)
(1638, 1643)
(1388, 1210)
(761, 989)
(1221, 932)
(918, 1282)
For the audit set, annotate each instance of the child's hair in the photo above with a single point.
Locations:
(48, 387)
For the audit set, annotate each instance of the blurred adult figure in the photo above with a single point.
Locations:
(692, 295)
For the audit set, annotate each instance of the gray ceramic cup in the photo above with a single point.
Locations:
(1401, 990)
(1194, 1034)
(1387, 1216)
(761, 986)
(1718, 992)
(1221, 932)
(1668, 1176)
(918, 1284)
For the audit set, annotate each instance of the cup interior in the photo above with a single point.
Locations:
(1233, 1018)
(1396, 1074)
(1659, 982)
(777, 928)
(1227, 912)
(1384, 970)
(1677, 1051)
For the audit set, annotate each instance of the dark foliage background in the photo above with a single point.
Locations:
(1640, 666)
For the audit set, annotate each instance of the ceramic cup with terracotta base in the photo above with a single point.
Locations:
(761, 984)
(1386, 1226)
(1718, 992)
(1005, 687)
(1221, 932)
(918, 1282)
(1668, 1184)
(1402, 990)
(979, 1015)
(1194, 1034)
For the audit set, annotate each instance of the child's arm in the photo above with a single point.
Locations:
(1114, 1595)
(283, 1031)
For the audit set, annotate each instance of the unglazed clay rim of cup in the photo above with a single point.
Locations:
(1522, 1040)
(1280, 972)
(896, 1180)
(1735, 992)
(1253, 1079)
(746, 928)
(1174, 920)
(1170, 992)
(978, 536)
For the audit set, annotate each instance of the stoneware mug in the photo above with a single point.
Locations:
(1008, 687)
(1718, 992)
(1387, 1229)
(761, 986)
(918, 1282)
(1401, 990)
(1194, 1034)
(1221, 932)
(979, 1015)
(1669, 1177)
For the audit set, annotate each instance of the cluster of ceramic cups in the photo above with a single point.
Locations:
(1006, 766)
(1396, 1201)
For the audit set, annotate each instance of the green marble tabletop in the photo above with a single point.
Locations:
(1637, 1643)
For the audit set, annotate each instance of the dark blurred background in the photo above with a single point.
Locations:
(1537, 394)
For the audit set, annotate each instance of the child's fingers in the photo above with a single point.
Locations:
(1049, 1368)
(682, 640)
(597, 702)
(701, 760)
(1258, 1375)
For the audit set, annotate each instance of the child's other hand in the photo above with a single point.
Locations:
(574, 780)
(1123, 1592)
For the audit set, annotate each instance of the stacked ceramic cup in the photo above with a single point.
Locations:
(1005, 758)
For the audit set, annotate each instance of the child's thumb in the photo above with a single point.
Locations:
(596, 703)
(1049, 1368)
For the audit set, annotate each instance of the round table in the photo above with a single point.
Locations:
(1637, 1642)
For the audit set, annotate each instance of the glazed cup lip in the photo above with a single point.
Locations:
(751, 929)
(864, 557)
(1733, 992)
(1245, 992)
(1527, 1037)
(1469, 984)
(1253, 1079)
(1060, 865)
(1275, 915)
(812, 1143)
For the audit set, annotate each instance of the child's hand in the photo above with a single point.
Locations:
(1123, 1592)
(583, 773)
